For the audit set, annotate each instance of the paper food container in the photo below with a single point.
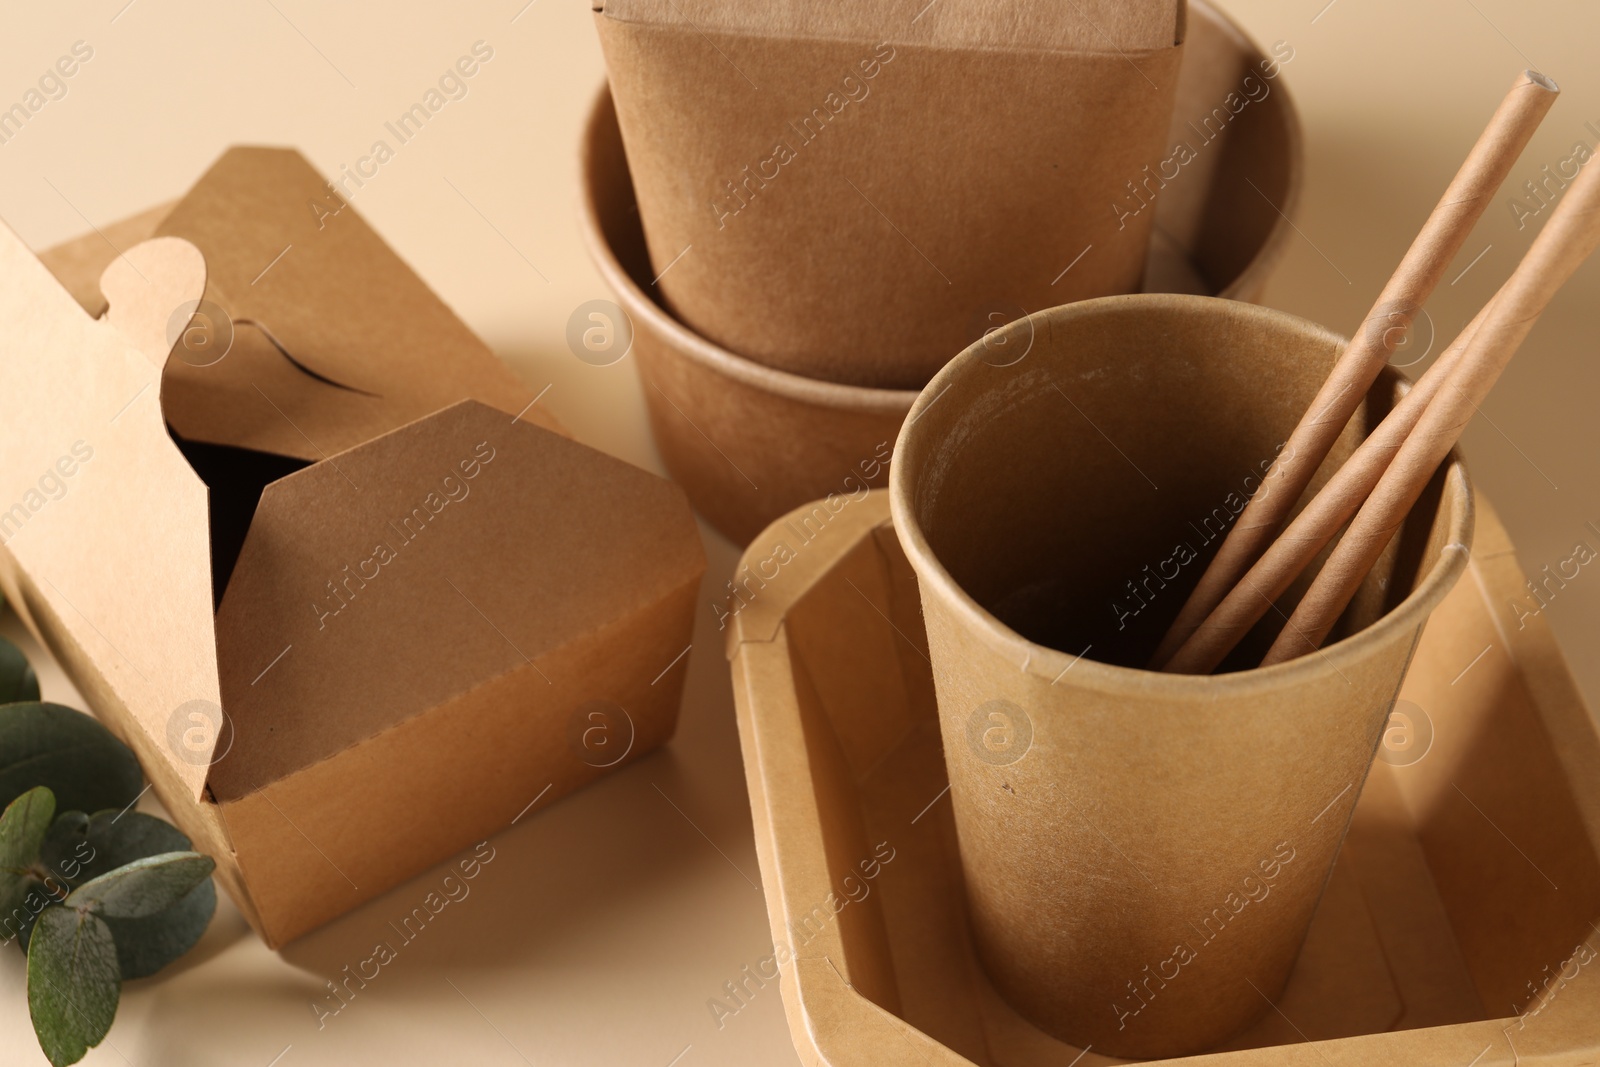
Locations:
(1458, 926)
(1121, 828)
(818, 197)
(326, 569)
(750, 442)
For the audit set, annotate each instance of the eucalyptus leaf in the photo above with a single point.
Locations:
(111, 839)
(73, 983)
(30, 899)
(62, 858)
(66, 848)
(79, 759)
(143, 887)
(118, 838)
(80, 848)
(144, 946)
(17, 680)
(23, 827)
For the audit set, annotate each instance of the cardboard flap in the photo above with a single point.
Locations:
(393, 577)
(255, 397)
(104, 520)
(1085, 25)
(311, 289)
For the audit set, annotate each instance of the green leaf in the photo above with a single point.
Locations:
(29, 900)
(117, 839)
(80, 848)
(66, 848)
(79, 759)
(60, 857)
(23, 827)
(73, 983)
(17, 680)
(113, 839)
(144, 946)
(143, 887)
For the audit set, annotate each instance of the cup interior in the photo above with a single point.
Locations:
(1077, 492)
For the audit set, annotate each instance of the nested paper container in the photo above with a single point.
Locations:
(811, 176)
(1142, 852)
(749, 442)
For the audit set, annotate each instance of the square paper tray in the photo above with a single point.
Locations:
(1458, 926)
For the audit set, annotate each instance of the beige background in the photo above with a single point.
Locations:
(605, 924)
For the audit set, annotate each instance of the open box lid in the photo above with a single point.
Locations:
(316, 335)
(104, 523)
(355, 342)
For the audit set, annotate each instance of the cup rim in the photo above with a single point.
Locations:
(1107, 677)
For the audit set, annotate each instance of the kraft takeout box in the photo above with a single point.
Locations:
(838, 189)
(340, 583)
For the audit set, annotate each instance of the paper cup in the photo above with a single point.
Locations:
(1143, 852)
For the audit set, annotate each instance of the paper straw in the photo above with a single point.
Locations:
(1561, 247)
(1317, 524)
(1425, 262)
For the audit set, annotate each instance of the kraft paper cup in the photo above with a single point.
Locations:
(750, 443)
(1142, 852)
